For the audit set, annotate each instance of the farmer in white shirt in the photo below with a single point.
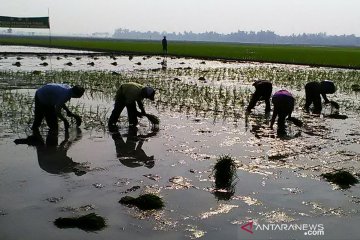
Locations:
(50, 99)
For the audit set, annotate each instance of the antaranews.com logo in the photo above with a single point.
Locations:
(308, 229)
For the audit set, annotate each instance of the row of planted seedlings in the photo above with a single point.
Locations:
(197, 96)
(284, 75)
(17, 112)
(18, 105)
(175, 95)
(16, 109)
(291, 77)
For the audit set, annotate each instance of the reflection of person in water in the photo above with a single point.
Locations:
(53, 157)
(130, 153)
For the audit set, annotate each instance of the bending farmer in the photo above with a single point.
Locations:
(313, 90)
(283, 103)
(127, 96)
(263, 89)
(50, 99)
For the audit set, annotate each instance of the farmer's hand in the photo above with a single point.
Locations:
(69, 114)
(66, 124)
(334, 104)
(78, 120)
(140, 114)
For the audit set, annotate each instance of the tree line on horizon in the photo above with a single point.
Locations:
(261, 37)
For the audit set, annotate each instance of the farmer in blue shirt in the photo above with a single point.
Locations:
(50, 99)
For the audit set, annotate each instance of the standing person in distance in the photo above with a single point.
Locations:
(263, 90)
(50, 99)
(164, 45)
(313, 93)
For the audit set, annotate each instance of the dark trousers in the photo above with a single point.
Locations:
(312, 96)
(119, 106)
(49, 112)
(262, 92)
(283, 106)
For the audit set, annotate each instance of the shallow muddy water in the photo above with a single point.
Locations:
(278, 180)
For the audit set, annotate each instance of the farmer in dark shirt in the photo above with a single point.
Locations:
(50, 99)
(313, 93)
(283, 103)
(127, 96)
(263, 89)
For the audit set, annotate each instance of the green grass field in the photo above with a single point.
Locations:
(344, 57)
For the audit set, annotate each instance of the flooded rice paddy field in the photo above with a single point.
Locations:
(201, 108)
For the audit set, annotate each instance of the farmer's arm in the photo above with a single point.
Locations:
(275, 113)
(59, 114)
(292, 108)
(325, 98)
(70, 114)
(141, 106)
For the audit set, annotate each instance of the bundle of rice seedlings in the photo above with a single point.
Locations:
(334, 104)
(153, 119)
(89, 222)
(224, 172)
(341, 178)
(295, 121)
(144, 202)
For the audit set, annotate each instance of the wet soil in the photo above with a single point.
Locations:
(278, 179)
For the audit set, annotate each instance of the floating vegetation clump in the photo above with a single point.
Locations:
(144, 202)
(89, 222)
(341, 178)
(225, 174)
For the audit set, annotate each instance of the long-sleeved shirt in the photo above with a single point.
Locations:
(130, 92)
(54, 94)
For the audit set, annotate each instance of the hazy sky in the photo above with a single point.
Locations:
(284, 17)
